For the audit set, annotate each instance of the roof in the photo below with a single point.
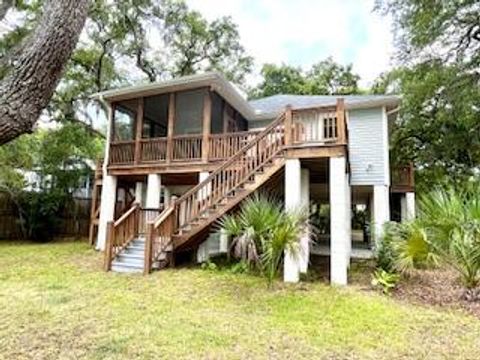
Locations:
(271, 106)
(259, 109)
(214, 80)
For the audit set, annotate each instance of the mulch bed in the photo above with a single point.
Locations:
(439, 287)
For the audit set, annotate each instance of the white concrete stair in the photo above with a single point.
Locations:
(131, 259)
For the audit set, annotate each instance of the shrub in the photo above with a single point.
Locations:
(262, 231)
(452, 216)
(39, 214)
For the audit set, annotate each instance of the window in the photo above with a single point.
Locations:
(124, 120)
(189, 112)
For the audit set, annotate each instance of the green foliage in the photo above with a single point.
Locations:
(439, 115)
(437, 127)
(61, 158)
(324, 78)
(39, 214)
(405, 246)
(240, 267)
(262, 231)
(385, 280)
(452, 216)
(209, 266)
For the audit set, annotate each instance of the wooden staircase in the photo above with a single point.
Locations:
(225, 188)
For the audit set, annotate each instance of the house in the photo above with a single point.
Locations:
(191, 149)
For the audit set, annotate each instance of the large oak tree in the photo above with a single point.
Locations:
(37, 65)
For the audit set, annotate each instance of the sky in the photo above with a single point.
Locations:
(303, 32)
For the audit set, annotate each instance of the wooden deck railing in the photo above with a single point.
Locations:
(187, 147)
(223, 146)
(120, 233)
(313, 127)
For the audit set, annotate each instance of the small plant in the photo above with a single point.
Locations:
(240, 267)
(384, 280)
(209, 266)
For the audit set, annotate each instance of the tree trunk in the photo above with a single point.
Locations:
(27, 88)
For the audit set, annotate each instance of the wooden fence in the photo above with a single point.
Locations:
(73, 220)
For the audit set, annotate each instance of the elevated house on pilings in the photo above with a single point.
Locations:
(182, 153)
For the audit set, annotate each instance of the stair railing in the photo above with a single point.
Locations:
(232, 174)
(120, 233)
(222, 182)
(159, 237)
(218, 185)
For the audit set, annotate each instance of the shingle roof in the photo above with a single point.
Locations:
(261, 109)
(273, 105)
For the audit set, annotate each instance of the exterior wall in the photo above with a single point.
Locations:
(368, 147)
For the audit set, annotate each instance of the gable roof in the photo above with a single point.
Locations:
(258, 109)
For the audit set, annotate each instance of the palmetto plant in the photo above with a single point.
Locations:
(452, 218)
(409, 247)
(261, 231)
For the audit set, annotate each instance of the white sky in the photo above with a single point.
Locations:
(303, 32)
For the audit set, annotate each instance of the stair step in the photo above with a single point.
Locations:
(126, 267)
(121, 259)
(131, 256)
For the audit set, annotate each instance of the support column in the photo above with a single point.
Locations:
(154, 185)
(348, 208)
(381, 209)
(305, 203)
(407, 206)
(166, 196)
(139, 193)
(339, 224)
(291, 270)
(201, 177)
(107, 209)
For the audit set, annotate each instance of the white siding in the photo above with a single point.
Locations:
(368, 147)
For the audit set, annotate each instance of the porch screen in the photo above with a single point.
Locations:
(155, 116)
(189, 112)
(217, 114)
(124, 120)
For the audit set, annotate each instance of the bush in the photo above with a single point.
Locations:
(39, 214)
(262, 231)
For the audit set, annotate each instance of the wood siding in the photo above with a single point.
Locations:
(368, 147)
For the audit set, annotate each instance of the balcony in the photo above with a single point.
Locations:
(303, 128)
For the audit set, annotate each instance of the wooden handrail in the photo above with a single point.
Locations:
(122, 218)
(232, 159)
(120, 233)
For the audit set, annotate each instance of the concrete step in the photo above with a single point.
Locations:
(134, 251)
(126, 267)
(131, 258)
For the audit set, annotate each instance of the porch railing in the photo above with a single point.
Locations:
(316, 126)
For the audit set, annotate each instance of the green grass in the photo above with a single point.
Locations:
(55, 302)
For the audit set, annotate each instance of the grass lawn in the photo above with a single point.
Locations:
(55, 302)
